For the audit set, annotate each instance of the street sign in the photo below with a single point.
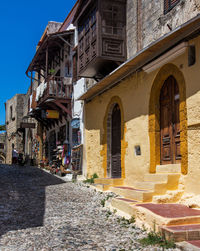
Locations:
(27, 125)
(75, 123)
(52, 114)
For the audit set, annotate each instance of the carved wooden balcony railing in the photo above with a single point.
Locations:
(57, 88)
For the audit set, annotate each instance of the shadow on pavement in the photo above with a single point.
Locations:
(22, 196)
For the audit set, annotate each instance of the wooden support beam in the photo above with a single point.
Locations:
(63, 108)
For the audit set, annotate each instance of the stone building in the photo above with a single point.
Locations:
(28, 127)
(51, 92)
(2, 147)
(14, 114)
(142, 119)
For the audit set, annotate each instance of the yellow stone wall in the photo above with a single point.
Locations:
(134, 93)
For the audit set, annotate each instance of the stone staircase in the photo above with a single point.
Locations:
(105, 184)
(166, 178)
(174, 221)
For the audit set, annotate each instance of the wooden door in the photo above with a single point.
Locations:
(116, 143)
(170, 122)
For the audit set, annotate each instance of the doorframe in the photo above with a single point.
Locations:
(105, 150)
(154, 116)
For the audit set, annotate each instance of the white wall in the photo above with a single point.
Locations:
(78, 105)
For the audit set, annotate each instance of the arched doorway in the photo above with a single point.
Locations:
(116, 142)
(165, 74)
(170, 122)
(106, 151)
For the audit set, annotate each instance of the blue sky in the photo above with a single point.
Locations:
(22, 24)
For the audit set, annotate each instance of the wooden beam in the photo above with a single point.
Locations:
(63, 108)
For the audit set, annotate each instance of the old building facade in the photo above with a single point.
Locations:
(14, 114)
(142, 119)
(3, 148)
(54, 89)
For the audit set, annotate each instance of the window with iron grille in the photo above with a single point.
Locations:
(169, 4)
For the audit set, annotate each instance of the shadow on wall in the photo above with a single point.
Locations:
(22, 200)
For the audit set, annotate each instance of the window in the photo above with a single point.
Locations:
(68, 69)
(169, 4)
(11, 112)
(87, 39)
(87, 25)
(1, 146)
(93, 30)
(93, 16)
(81, 45)
(113, 20)
(191, 55)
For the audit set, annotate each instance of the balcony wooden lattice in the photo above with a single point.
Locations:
(56, 88)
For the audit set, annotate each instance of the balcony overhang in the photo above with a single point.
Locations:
(98, 68)
(53, 42)
(182, 33)
(56, 95)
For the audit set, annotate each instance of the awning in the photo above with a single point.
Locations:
(54, 42)
(145, 56)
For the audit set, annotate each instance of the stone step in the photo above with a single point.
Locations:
(171, 179)
(170, 168)
(109, 181)
(189, 245)
(180, 233)
(101, 187)
(156, 186)
(132, 193)
(124, 205)
(160, 215)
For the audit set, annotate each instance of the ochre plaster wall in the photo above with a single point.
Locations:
(192, 78)
(134, 93)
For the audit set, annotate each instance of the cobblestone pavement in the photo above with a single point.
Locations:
(40, 212)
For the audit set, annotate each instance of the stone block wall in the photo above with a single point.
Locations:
(13, 123)
(147, 17)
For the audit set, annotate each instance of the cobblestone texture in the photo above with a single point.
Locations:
(41, 212)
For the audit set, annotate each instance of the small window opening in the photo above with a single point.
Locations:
(11, 112)
(191, 55)
(137, 150)
(169, 4)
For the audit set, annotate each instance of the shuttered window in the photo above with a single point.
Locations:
(169, 4)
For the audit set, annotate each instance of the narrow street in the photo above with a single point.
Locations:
(39, 211)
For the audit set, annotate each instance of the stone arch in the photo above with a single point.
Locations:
(105, 153)
(154, 116)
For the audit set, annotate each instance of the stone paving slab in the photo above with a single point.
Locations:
(41, 212)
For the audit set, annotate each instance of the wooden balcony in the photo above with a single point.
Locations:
(56, 88)
(54, 94)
